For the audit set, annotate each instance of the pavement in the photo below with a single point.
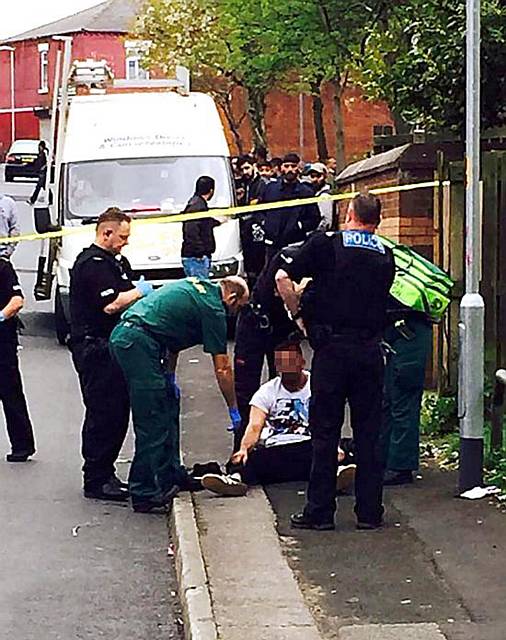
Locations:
(435, 572)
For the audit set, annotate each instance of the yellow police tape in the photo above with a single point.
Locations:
(229, 211)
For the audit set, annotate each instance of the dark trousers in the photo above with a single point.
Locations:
(156, 466)
(41, 182)
(107, 409)
(19, 426)
(353, 371)
(404, 383)
(270, 465)
(252, 346)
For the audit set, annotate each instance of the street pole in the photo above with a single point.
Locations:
(13, 112)
(472, 308)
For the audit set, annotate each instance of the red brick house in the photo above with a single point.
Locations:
(101, 32)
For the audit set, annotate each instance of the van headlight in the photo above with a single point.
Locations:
(224, 269)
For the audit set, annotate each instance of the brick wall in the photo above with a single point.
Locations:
(407, 215)
(283, 125)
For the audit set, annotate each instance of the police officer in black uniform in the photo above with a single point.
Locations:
(262, 324)
(344, 314)
(19, 427)
(100, 289)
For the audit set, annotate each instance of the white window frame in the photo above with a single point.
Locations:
(134, 50)
(43, 67)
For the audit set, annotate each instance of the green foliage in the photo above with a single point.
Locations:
(495, 469)
(414, 58)
(441, 438)
(438, 415)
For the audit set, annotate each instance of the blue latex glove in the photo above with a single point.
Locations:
(144, 287)
(235, 416)
(170, 379)
(2, 317)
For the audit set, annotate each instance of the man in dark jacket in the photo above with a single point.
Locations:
(40, 164)
(291, 224)
(198, 236)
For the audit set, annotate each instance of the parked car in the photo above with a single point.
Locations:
(19, 160)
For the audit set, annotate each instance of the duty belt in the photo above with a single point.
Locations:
(360, 334)
(262, 318)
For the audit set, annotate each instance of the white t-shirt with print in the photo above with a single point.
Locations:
(287, 413)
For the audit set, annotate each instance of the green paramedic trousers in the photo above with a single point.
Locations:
(404, 383)
(156, 465)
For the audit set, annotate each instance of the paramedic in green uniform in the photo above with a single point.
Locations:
(145, 343)
(409, 336)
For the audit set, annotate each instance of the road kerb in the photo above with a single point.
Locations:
(191, 573)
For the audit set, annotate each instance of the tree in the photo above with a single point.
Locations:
(226, 44)
(414, 58)
(188, 32)
(321, 38)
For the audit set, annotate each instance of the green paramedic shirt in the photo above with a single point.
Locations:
(184, 314)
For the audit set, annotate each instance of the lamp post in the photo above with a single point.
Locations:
(472, 308)
(13, 113)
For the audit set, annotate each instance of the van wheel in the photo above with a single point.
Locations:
(62, 326)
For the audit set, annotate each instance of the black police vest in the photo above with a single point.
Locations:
(350, 295)
(85, 319)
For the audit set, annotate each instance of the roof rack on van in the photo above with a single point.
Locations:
(93, 74)
(181, 82)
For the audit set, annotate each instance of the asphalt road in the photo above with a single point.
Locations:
(71, 568)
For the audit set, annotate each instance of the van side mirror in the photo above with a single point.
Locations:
(42, 219)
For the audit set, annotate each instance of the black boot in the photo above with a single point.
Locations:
(159, 504)
(19, 456)
(109, 491)
(301, 521)
(393, 477)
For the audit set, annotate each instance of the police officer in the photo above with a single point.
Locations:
(19, 427)
(175, 317)
(100, 289)
(344, 312)
(262, 324)
(251, 225)
(291, 224)
(409, 334)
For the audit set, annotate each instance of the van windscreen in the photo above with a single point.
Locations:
(164, 184)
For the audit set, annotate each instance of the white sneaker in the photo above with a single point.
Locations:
(224, 485)
(346, 476)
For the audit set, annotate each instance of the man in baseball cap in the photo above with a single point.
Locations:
(318, 180)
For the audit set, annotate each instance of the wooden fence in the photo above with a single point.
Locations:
(449, 252)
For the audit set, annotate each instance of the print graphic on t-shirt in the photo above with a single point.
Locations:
(288, 416)
(287, 422)
(287, 413)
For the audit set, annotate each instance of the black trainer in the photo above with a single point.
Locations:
(19, 456)
(301, 521)
(109, 491)
(200, 470)
(393, 478)
(160, 504)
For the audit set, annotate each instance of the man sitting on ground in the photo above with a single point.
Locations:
(276, 446)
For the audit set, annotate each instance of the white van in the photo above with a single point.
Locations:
(142, 152)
